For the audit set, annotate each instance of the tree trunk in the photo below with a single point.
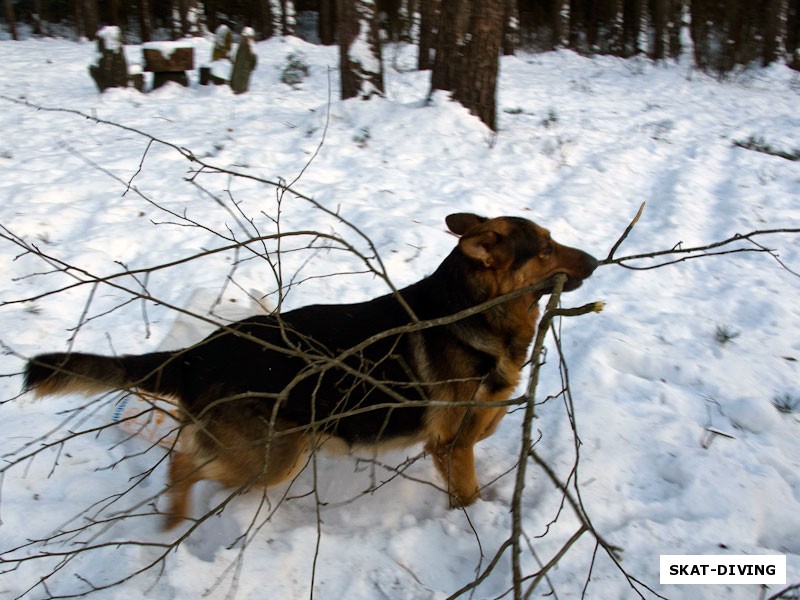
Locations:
(776, 27)
(265, 20)
(92, 16)
(80, 24)
(577, 26)
(449, 44)
(561, 26)
(180, 19)
(793, 34)
(38, 18)
(113, 14)
(660, 43)
(360, 62)
(11, 20)
(632, 21)
(510, 27)
(477, 82)
(327, 22)
(428, 19)
(145, 20)
(390, 15)
(733, 42)
(210, 7)
(288, 17)
(406, 17)
(675, 27)
(616, 44)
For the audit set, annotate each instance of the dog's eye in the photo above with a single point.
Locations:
(547, 250)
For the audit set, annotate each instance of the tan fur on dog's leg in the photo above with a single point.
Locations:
(491, 423)
(183, 474)
(456, 464)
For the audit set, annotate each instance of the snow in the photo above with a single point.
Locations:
(582, 143)
(167, 49)
(111, 37)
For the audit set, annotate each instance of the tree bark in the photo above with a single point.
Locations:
(145, 20)
(561, 27)
(360, 61)
(327, 22)
(449, 44)
(288, 19)
(616, 44)
(80, 25)
(659, 49)
(776, 27)
(477, 83)
(180, 13)
(210, 8)
(92, 18)
(675, 27)
(38, 18)
(265, 20)
(11, 20)
(510, 27)
(428, 20)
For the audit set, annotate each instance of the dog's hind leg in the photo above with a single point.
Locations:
(183, 474)
(241, 467)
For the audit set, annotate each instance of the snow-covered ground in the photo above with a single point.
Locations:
(710, 343)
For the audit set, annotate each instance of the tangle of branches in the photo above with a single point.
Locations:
(93, 530)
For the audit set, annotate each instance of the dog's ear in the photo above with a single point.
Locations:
(488, 247)
(459, 223)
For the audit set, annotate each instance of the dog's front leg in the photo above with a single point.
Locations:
(456, 464)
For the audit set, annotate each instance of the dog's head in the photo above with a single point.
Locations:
(511, 253)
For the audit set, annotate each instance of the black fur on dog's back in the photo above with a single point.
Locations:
(292, 358)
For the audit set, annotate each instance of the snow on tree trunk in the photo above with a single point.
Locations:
(476, 85)
(428, 18)
(660, 40)
(145, 20)
(450, 42)
(616, 34)
(775, 31)
(288, 17)
(510, 27)
(675, 27)
(187, 19)
(360, 62)
(284, 20)
(561, 25)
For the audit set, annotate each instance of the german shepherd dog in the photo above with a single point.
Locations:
(258, 396)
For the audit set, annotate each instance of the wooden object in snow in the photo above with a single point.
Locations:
(245, 62)
(168, 61)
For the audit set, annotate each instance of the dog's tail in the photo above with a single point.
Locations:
(64, 373)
